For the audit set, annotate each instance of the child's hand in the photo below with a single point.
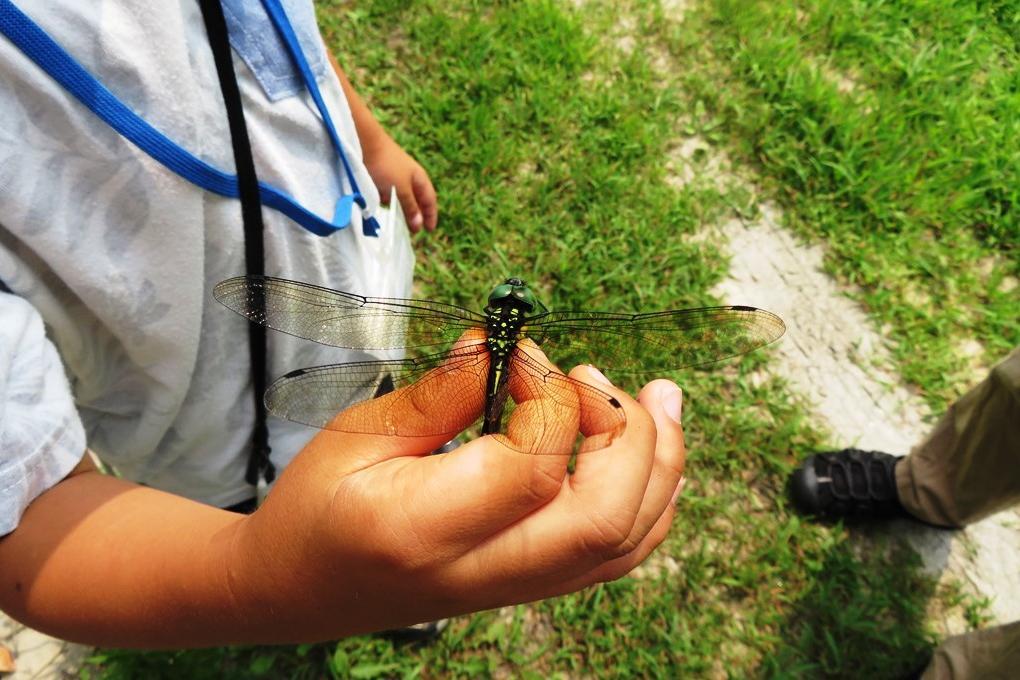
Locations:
(391, 166)
(360, 533)
(368, 532)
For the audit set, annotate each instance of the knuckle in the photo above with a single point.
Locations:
(618, 569)
(608, 537)
(627, 546)
(543, 481)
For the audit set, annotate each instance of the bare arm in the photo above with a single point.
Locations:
(100, 560)
(370, 132)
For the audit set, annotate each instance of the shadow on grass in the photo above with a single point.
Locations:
(863, 616)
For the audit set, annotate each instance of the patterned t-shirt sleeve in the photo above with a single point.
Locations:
(41, 435)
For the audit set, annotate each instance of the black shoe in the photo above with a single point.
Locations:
(418, 634)
(847, 484)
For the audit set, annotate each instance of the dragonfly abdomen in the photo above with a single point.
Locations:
(503, 326)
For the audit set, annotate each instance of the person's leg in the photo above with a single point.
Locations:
(989, 654)
(969, 466)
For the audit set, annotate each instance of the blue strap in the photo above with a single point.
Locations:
(274, 9)
(279, 18)
(62, 67)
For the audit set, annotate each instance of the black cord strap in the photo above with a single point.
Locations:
(259, 465)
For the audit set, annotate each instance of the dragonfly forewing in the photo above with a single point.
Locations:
(339, 319)
(658, 341)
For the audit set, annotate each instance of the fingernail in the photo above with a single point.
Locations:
(597, 375)
(416, 220)
(672, 400)
(679, 487)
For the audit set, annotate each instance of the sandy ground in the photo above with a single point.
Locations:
(39, 656)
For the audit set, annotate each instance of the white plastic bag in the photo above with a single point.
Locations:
(382, 265)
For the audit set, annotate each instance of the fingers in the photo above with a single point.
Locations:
(409, 202)
(463, 498)
(623, 565)
(664, 402)
(607, 509)
(547, 414)
(608, 516)
(418, 198)
(544, 580)
(610, 482)
(489, 484)
(484, 486)
(425, 194)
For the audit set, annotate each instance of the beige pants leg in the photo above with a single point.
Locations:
(989, 654)
(969, 466)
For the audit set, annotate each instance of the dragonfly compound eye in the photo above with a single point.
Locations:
(527, 297)
(513, 291)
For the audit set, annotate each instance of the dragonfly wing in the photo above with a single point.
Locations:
(642, 343)
(341, 319)
(354, 397)
(550, 409)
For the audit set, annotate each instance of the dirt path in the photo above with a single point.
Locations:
(39, 656)
(835, 358)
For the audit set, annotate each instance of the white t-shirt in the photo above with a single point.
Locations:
(118, 255)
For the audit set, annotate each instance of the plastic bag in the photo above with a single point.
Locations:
(383, 265)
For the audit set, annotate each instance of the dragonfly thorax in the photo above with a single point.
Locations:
(503, 325)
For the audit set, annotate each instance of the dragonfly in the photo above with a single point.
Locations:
(468, 364)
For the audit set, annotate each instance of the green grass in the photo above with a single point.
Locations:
(890, 131)
(547, 142)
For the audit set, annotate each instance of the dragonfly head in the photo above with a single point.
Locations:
(514, 290)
